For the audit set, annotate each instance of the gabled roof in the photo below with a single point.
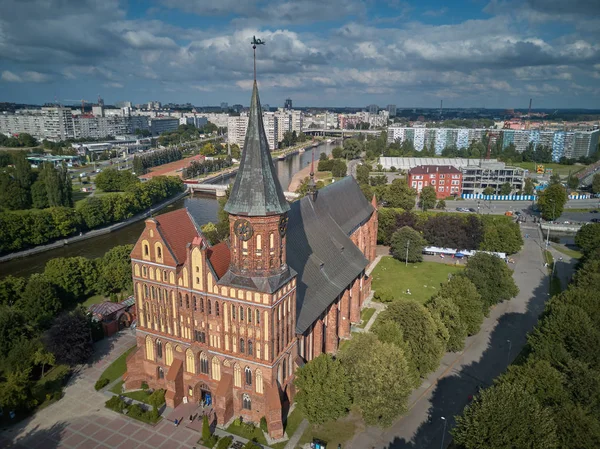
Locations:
(319, 248)
(256, 190)
(426, 169)
(178, 228)
(219, 257)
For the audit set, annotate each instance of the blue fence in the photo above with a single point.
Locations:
(481, 196)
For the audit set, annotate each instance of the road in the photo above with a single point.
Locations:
(446, 392)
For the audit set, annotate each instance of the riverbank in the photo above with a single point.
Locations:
(95, 232)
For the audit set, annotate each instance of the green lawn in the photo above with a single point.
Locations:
(243, 431)
(117, 368)
(96, 299)
(48, 389)
(116, 388)
(365, 316)
(568, 251)
(422, 279)
(332, 432)
(291, 425)
(562, 170)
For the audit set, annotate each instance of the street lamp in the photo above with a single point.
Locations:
(444, 432)
(407, 246)
(548, 230)
(508, 355)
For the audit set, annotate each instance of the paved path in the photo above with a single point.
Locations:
(79, 420)
(446, 392)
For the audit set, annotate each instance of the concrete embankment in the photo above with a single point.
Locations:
(93, 233)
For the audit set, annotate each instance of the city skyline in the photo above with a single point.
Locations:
(489, 54)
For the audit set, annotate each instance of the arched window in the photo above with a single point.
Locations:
(250, 349)
(242, 347)
(283, 370)
(161, 373)
(146, 250)
(168, 354)
(249, 315)
(216, 368)
(248, 374)
(145, 291)
(203, 363)
(152, 292)
(180, 300)
(209, 307)
(246, 402)
(259, 381)
(144, 271)
(165, 275)
(158, 252)
(241, 313)
(187, 301)
(257, 316)
(233, 309)
(149, 348)
(159, 349)
(237, 375)
(195, 303)
(217, 308)
(202, 305)
(190, 362)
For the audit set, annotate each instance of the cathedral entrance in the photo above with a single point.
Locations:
(203, 395)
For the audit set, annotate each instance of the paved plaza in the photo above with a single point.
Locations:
(80, 420)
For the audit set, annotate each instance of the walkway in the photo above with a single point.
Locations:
(80, 420)
(486, 355)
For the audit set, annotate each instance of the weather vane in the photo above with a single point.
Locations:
(254, 43)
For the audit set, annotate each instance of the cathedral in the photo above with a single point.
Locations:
(227, 325)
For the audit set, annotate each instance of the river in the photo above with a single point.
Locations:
(202, 207)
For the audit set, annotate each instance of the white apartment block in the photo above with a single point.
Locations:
(237, 126)
(197, 121)
(271, 129)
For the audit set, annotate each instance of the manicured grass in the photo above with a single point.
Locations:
(568, 251)
(422, 279)
(48, 389)
(562, 170)
(117, 388)
(549, 259)
(117, 368)
(332, 432)
(242, 431)
(291, 425)
(365, 316)
(96, 299)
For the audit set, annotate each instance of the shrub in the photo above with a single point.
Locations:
(157, 398)
(383, 295)
(101, 383)
(144, 386)
(263, 424)
(153, 414)
(116, 403)
(206, 434)
(224, 442)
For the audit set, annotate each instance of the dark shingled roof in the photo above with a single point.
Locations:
(319, 248)
(256, 191)
(426, 169)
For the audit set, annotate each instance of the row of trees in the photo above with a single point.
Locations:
(452, 230)
(141, 163)
(551, 397)
(291, 138)
(22, 140)
(185, 133)
(37, 227)
(21, 187)
(113, 180)
(205, 167)
(41, 325)
(376, 372)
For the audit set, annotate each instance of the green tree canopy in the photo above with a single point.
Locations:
(352, 149)
(505, 416)
(588, 237)
(404, 239)
(362, 173)
(505, 188)
(69, 338)
(463, 293)
(399, 194)
(427, 198)
(339, 168)
(529, 187)
(448, 313)
(596, 183)
(552, 201)
(488, 190)
(39, 302)
(113, 180)
(323, 390)
(492, 278)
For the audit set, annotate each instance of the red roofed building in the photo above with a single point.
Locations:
(446, 179)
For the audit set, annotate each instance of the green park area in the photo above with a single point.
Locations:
(117, 368)
(561, 169)
(422, 280)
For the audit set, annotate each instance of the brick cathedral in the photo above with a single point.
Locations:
(227, 325)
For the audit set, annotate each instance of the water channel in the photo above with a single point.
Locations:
(202, 207)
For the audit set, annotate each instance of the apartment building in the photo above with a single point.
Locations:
(445, 179)
(491, 174)
(237, 126)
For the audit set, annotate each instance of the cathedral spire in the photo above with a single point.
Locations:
(256, 191)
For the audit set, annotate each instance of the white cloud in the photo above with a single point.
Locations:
(11, 77)
(25, 77)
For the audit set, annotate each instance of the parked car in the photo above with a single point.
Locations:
(471, 209)
(595, 220)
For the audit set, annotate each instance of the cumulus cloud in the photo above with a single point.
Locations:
(25, 77)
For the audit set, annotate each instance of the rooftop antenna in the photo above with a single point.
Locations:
(254, 43)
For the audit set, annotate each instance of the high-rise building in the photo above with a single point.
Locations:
(237, 125)
(391, 108)
(224, 106)
(372, 109)
(287, 104)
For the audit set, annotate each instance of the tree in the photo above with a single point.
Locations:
(69, 338)
(39, 196)
(210, 232)
(75, 277)
(352, 149)
(337, 152)
(596, 183)
(572, 182)
(554, 179)
(43, 357)
(552, 201)
(323, 390)
(22, 174)
(380, 380)
(441, 204)
(420, 333)
(11, 288)
(399, 194)
(113, 180)
(362, 174)
(577, 427)
(489, 190)
(492, 278)
(501, 234)
(208, 149)
(12, 328)
(115, 270)
(463, 293)
(452, 231)
(505, 416)
(39, 301)
(407, 238)
(339, 168)
(448, 313)
(529, 187)
(92, 213)
(15, 391)
(588, 237)
(505, 188)
(427, 198)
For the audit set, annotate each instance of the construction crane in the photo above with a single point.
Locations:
(83, 102)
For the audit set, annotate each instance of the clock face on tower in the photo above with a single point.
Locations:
(243, 229)
(283, 222)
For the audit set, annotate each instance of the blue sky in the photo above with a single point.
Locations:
(471, 53)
